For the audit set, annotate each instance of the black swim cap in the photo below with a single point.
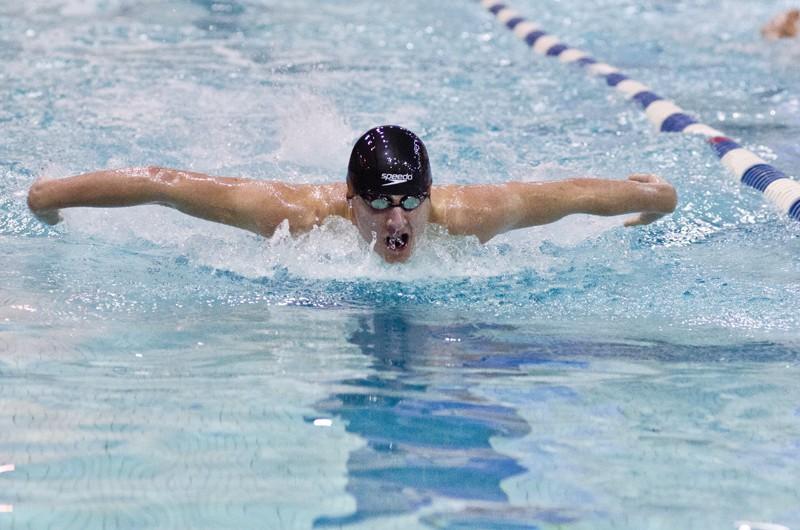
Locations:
(389, 160)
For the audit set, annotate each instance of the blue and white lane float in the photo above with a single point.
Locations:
(745, 165)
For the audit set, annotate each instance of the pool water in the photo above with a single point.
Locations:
(158, 371)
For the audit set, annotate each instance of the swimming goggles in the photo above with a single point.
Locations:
(384, 202)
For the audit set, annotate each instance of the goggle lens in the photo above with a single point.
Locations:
(408, 203)
(381, 203)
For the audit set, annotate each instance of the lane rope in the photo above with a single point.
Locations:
(747, 167)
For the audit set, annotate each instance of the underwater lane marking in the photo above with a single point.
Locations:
(677, 122)
(630, 88)
(522, 29)
(660, 110)
(703, 130)
(721, 144)
(531, 38)
(665, 115)
(556, 49)
(506, 15)
(493, 5)
(739, 160)
(544, 43)
(601, 69)
(571, 55)
(614, 79)
(794, 210)
(646, 98)
(786, 193)
(761, 176)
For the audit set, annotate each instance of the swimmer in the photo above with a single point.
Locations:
(388, 196)
(783, 26)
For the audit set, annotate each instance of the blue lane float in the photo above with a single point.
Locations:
(665, 115)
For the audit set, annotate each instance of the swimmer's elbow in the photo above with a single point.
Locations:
(162, 175)
(169, 187)
(154, 171)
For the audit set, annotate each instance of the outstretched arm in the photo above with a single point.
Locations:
(254, 205)
(488, 210)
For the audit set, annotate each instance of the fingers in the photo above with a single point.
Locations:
(633, 221)
(644, 218)
(644, 177)
(50, 217)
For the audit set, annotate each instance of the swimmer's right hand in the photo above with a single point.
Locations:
(659, 195)
(784, 25)
(36, 203)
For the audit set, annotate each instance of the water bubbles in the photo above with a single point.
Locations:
(253, 106)
(312, 133)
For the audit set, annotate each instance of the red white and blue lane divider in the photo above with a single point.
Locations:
(664, 114)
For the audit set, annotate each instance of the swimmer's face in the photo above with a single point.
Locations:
(394, 229)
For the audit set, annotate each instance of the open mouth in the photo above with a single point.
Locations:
(397, 242)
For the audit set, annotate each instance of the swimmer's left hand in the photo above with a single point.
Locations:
(643, 219)
(658, 192)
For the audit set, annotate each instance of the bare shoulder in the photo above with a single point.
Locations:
(326, 200)
(477, 209)
(261, 206)
(303, 205)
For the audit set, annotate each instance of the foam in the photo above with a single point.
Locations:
(312, 133)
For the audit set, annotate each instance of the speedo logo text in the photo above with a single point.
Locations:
(392, 179)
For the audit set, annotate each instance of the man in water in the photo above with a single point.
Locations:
(388, 196)
(783, 26)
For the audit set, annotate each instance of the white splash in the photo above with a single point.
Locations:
(312, 133)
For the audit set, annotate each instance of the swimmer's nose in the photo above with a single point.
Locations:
(396, 219)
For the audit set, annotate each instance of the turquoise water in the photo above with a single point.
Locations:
(158, 371)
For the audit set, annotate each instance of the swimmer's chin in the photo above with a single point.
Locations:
(394, 256)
